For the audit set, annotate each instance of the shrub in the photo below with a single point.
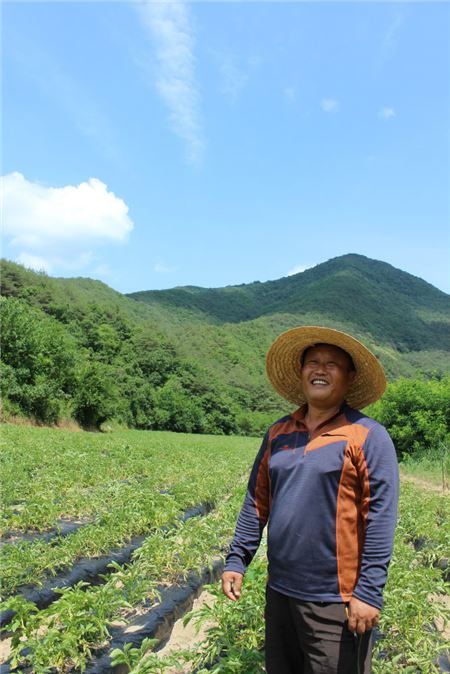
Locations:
(416, 413)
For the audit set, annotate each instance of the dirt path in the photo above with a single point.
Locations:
(424, 484)
(186, 636)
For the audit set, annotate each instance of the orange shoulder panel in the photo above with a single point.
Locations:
(351, 509)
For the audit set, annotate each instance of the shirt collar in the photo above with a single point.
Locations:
(299, 415)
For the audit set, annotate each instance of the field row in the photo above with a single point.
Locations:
(177, 472)
(66, 633)
(409, 640)
(175, 476)
(47, 475)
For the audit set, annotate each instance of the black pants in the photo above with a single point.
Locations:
(312, 638)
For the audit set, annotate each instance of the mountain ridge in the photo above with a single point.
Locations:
(193, 358)
(374, 287)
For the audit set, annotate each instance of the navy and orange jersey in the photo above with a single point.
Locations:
(330, 501)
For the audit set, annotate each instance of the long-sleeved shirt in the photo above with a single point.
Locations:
(330, 500)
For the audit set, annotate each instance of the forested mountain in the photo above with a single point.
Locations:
(376, 298)
(192, 358)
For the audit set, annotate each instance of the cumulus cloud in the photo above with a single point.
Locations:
(54, 225)
(299, 268)
(35, 215)
(329, 105)
(386, 113)
(170, 28)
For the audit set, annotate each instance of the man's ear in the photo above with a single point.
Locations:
(351, 376)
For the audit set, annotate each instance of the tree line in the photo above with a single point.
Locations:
(101, 367)
(76, 349)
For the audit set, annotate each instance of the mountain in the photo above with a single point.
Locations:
(369, 298)
(219, 336)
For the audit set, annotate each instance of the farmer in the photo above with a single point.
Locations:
(326, 481)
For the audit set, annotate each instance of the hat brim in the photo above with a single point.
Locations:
(283, 365)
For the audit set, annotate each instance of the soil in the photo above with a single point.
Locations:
(186, 636)
(62, 425)
(5, 649)
(443, 599)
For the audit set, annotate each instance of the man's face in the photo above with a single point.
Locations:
(326, 375)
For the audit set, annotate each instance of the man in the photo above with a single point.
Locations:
(326, 481)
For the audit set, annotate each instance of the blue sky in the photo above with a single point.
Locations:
(151, 145)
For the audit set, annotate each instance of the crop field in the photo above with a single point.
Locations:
(116, 489)
(104, 535)
(412, 637)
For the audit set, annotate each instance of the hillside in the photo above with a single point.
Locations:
(377, 299)
(163, 350)
(405, 320)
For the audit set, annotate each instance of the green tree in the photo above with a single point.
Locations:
(38, 361)
(96, 398)
(176, 410)
(416, 412)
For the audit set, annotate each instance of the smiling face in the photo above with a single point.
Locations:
(327, 373)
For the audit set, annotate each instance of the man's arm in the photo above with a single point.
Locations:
(379, 473)
(251, 522)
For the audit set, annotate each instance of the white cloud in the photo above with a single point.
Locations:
(386, 113)
(34, 262)
(329, 104)
(390, 37)
(37, 216)
(162, 268)
(169, 26)
(299, 268)
(55, 225)
(76, 262)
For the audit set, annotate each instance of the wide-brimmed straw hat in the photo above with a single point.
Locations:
(283, 364)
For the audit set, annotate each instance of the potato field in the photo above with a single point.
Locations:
(107, 539)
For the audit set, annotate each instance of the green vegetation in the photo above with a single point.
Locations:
(416, 413)
(235, 643)
(192, 359)
(70, 629)
(119, 480)
(432, 465)
(395, 307)
(100, 367)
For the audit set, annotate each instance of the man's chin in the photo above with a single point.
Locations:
(324, 398)
(319, 393)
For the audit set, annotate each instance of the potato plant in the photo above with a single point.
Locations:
(410, 641)
(133, 482)
(69, 630)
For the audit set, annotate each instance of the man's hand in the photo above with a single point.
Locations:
(231, 584)
(361, 616)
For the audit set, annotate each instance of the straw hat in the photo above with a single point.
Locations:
(283, 365)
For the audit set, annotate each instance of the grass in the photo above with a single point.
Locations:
(432, 465)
